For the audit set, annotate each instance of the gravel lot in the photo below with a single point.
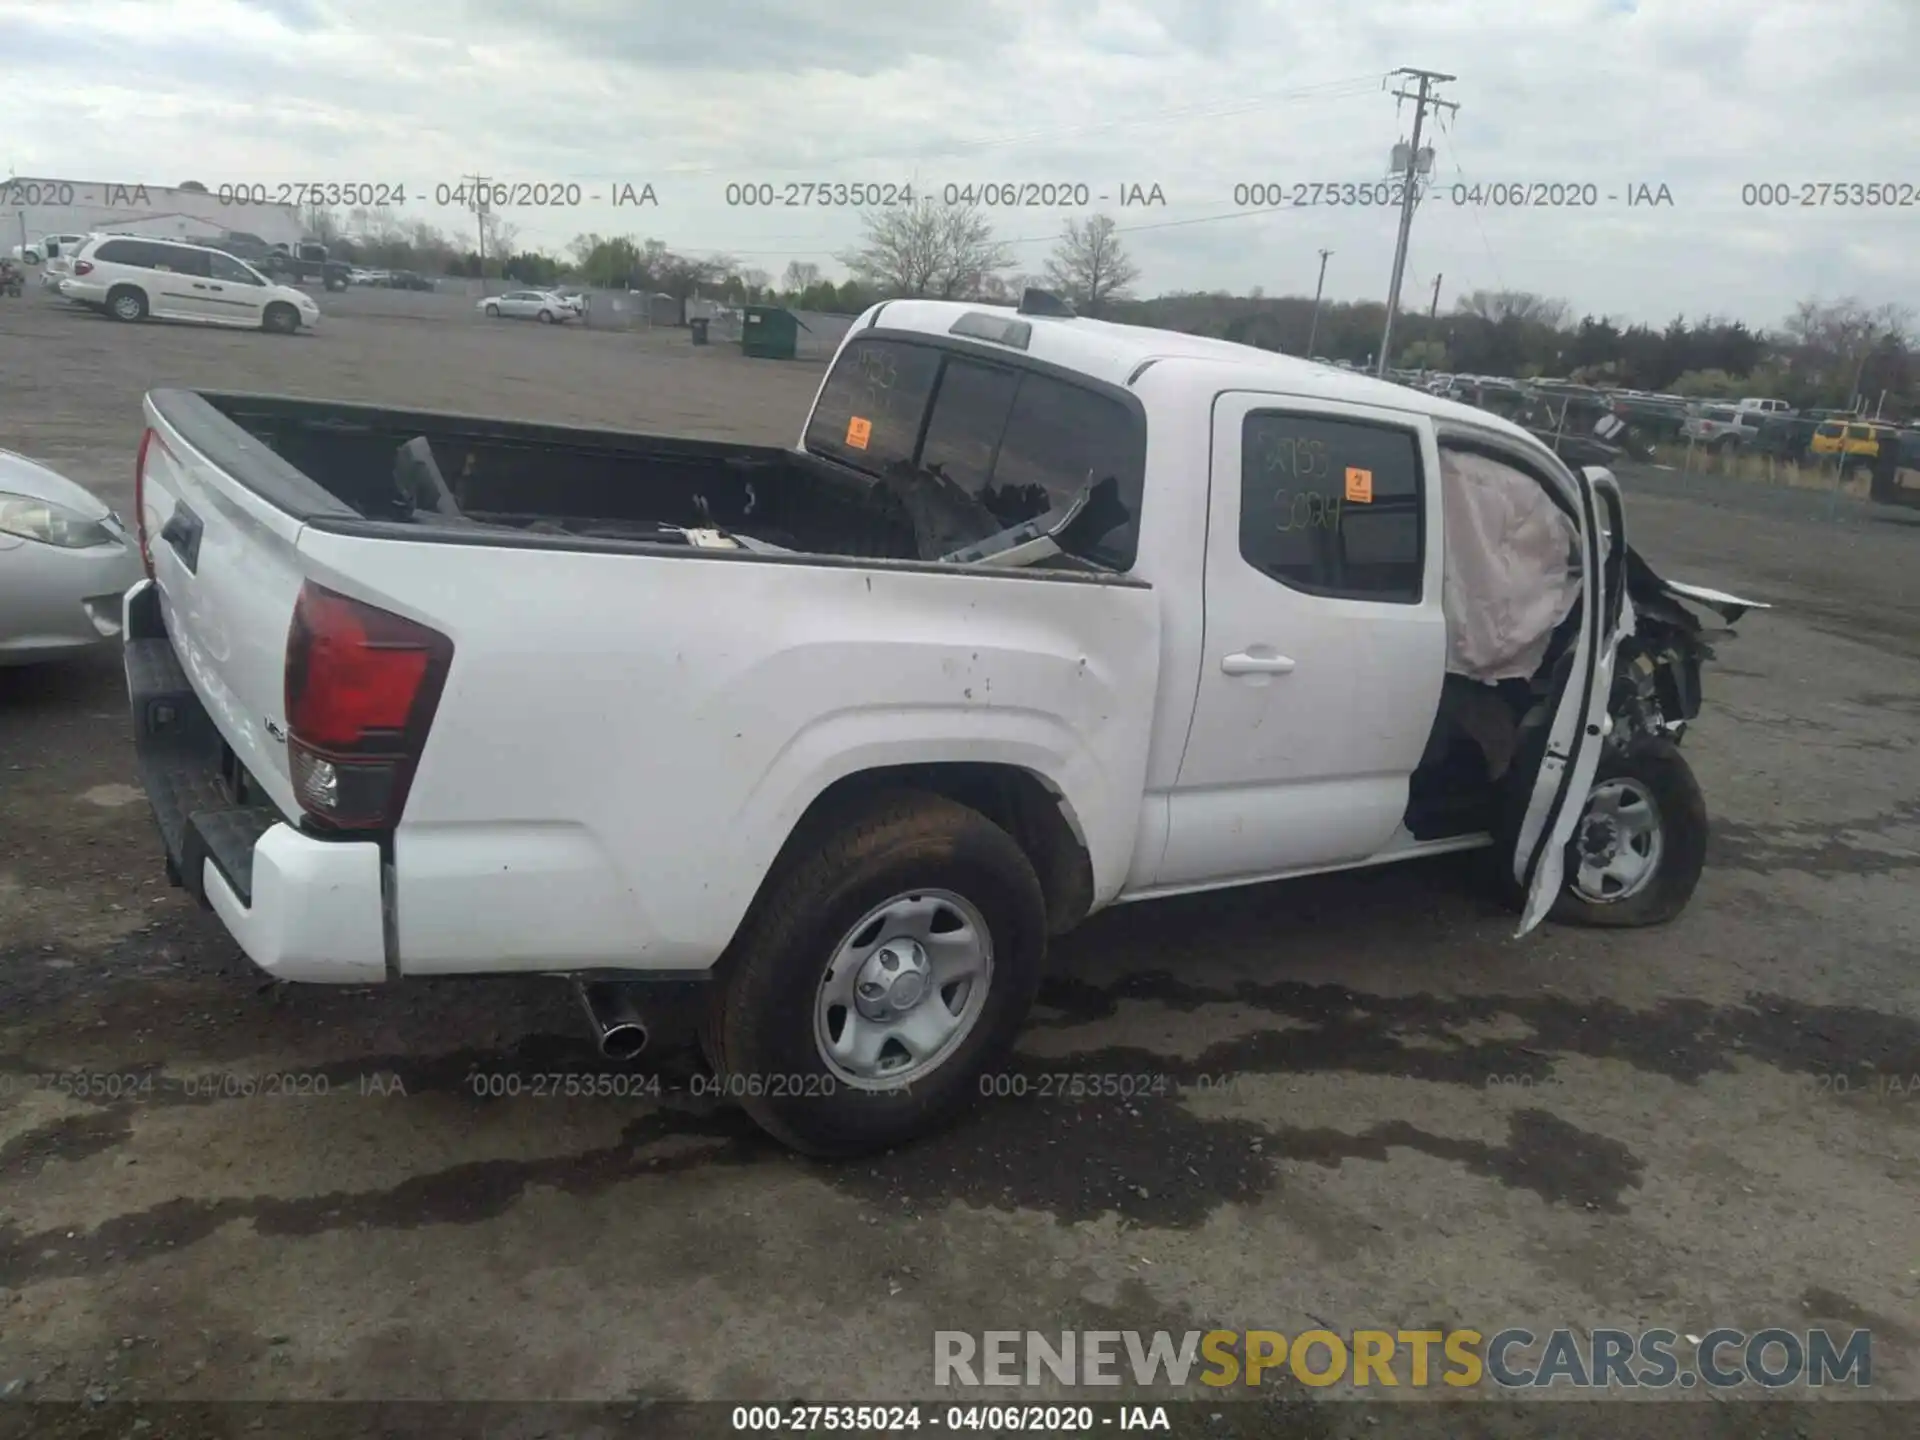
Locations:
(1389, 1112)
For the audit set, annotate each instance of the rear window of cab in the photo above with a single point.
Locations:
(1017, 439)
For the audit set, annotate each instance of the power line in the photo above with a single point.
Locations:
(1049, 239)
(1474, 210)
(1345, 88)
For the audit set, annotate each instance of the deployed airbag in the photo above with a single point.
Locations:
(1509, 573)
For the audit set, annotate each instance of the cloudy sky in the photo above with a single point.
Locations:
(1197, 97)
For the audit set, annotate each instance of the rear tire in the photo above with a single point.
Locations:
(127, 303)
(770, 1021)
(280, 319)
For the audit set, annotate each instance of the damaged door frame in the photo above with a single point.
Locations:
(1578, 727)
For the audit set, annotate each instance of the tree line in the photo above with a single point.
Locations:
(1822, 353)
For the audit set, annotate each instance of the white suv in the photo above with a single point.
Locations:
(133, 278)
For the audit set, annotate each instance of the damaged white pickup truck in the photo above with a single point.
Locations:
(1041, 615)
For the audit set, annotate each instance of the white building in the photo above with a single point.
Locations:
(30, 208)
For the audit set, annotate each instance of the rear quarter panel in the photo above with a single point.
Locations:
(625, 741)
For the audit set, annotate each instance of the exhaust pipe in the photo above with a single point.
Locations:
(617, 1026)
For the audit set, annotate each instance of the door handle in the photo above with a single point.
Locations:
(198, 286)
(1245, 664)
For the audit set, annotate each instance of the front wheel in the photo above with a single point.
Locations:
(1641, 842)
(880, 976)
(280, 320)
(546, 317)
(493, 312)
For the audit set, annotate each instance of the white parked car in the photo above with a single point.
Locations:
(66, 561)
(47, 247)
(845, 731)
(133, 278)
(545, 306)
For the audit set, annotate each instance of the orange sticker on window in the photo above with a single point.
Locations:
(1359, 485)
(859, 432)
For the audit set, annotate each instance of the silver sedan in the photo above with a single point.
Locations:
(542, 305)
(65, 562)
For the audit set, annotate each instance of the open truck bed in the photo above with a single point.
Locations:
(501, 478)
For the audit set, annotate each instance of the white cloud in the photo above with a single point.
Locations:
(1193, 95)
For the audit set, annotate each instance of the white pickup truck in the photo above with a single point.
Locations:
(1041, 615)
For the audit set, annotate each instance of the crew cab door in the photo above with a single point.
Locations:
(1324, 643)
(1560, 777)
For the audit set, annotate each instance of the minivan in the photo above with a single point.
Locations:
(132, 278)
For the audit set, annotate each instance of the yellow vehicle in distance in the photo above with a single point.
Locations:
(1858, 441)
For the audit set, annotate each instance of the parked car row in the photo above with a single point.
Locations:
(390, 279)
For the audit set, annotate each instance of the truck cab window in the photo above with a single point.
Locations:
(1060, 438)
(969, 417)
(870, 409)
(1332, 507)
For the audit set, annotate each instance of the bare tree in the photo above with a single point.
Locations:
(801, 275)
(1836, 340)
(581, 247)
(1089, 266)
(320, 224)
(1523, 306)
(927, 249)
(499, 235)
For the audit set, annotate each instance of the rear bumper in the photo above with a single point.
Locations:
(301, 907)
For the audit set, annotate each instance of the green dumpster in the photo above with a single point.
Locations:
(768, 332)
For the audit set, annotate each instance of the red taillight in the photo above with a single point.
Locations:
(83, 267)
(140, 500)
(361, 687)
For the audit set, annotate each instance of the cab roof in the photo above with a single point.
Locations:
(1119, 354)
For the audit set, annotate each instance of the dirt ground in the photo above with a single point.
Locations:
(1379, 1110)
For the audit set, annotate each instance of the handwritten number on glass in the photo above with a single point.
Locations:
(1297, 459)
(1305, 510)
(881, 371)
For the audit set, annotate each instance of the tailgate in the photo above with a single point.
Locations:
(224, 564)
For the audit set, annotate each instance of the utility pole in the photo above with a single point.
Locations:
(20, 211)
(479, 193)
(1434, 309)
(1423, 100)
(1314, 327)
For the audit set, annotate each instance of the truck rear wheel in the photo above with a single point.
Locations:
(881, 974)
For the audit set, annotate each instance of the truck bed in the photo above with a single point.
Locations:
(509, 475)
